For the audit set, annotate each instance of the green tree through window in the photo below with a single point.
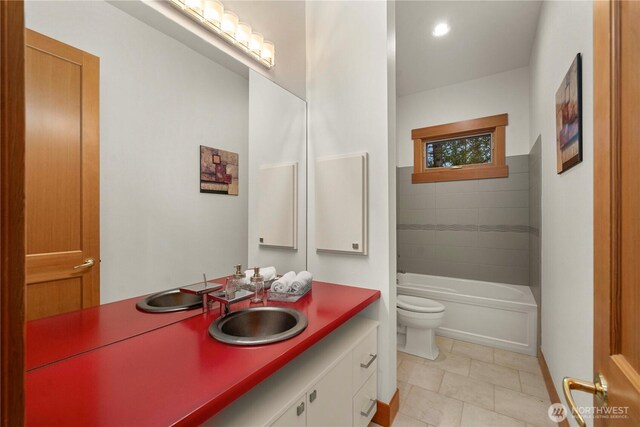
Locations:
(466, 150)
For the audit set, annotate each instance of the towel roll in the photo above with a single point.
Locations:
(301, 282)
(283, 284)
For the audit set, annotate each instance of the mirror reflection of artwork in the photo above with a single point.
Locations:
(218, 171)
(569, 118)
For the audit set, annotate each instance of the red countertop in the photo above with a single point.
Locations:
(177, 374)
(58, 337)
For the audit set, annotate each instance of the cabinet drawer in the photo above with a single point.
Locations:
(294, 416)
(365, 402)
(365, 360)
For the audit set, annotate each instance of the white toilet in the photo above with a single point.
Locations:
(420, 317)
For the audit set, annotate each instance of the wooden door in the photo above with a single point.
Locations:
(616, 217)
(62, 178)
(12, 250)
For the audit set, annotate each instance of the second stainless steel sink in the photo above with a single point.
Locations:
(168, 301)
(258, 325)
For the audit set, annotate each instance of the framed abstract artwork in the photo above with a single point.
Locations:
(569, 118)
(218, 171)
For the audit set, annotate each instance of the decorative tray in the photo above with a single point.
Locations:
(287, 296)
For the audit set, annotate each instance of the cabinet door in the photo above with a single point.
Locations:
(341, 204)
(278, 206)
(295, 415)
(329, 400)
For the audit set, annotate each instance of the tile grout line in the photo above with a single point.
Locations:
(520, 380)
(423, 362)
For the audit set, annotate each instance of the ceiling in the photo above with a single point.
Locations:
(486, 37)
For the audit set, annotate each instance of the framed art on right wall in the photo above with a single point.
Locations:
(569, 118)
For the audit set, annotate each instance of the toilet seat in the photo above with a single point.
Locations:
(418, 304)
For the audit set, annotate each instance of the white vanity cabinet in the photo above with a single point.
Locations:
(295, 415)
(365, 384)
(327, 403)
(333, 383)
(365, 402)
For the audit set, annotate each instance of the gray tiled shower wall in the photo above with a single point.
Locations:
(476, 229)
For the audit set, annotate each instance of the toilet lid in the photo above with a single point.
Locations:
(419, 305)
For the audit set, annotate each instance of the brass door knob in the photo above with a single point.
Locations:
(598, 387)
(86, 264)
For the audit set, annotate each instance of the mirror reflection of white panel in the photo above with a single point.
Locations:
(341, 204)
(277, 205)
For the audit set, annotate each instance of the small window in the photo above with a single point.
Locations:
(472, 149)
(466, 150)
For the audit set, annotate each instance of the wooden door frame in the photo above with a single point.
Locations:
(607, 198)
(606, 216)
(12, 202)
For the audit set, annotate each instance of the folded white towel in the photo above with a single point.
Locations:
(302, 281)
(283, 284)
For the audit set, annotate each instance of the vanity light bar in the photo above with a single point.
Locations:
(226, 24)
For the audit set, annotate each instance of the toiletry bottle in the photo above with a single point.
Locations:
(235, 282)
(257, 283)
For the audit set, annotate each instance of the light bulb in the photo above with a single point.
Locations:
(441, 29)
(213, 11)
(255, 43)
(243, 33)
(229, 23)
(268, 53)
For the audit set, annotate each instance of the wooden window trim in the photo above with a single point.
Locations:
(495, 125)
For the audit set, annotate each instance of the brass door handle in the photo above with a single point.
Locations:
(598, 387)
(86, 264)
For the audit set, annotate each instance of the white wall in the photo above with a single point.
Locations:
(159, 101)
(506, 92)
(351, 110)
(281, 22)
(565, 29)
(277, 134)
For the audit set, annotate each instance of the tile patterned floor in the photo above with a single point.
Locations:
(471, 385)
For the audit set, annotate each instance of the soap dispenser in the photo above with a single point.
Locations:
(257, 283)
(235, 282)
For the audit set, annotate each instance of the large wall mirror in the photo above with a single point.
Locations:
(145, 160)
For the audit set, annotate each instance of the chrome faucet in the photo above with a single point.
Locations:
(226, 300)
(212, 292)
(204, 289)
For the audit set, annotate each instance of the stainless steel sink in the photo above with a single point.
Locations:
(258, 325)
(168, 301)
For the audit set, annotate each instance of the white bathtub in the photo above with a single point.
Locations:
(493, 314)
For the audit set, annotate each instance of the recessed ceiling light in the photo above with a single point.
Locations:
(441, 29)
